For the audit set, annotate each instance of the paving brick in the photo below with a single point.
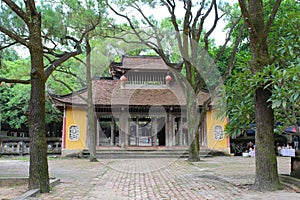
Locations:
(211, 178)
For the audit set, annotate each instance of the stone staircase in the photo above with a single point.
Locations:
(147, 152)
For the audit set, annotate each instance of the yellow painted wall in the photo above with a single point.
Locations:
(76, 116)
(213, 121)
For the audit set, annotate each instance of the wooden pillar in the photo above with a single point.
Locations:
(97, 131)
(137, 131)
(185, 134)
(167, 130)
(127, 132)
(176, 132)
(203, 133)
(112, 132)
(180, 135)
(170, 136)
(123, 136)
(189, 139)
(154, 131)
(172, 131)
(64, 129)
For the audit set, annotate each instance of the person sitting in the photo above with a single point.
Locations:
(252, 152)
(296, 142)
(249, 146)
(278, 149)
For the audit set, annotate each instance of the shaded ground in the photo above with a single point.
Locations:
(12, 192)
(212, 178)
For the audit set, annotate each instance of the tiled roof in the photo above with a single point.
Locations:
(142, 62)
(109, 92)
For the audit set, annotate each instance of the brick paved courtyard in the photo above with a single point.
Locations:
(212, 178)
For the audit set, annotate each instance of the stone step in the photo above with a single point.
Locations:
(146, 153)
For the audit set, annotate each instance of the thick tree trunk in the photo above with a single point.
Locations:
(266, 162)
(38, 169)
(193, 121)
(90, 106)
(194, 150)
(91, 132)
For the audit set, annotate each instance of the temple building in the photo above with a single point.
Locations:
(142, 104)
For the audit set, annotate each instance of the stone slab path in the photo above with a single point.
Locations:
(162, 179)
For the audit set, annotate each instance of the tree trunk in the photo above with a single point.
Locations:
(90, 106)
(266, 162)
(38, 169)
(194, 150)
(193, 121)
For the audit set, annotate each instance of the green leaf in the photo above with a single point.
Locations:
(284, 103)
(296, 96)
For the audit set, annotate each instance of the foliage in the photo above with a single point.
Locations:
(14, 97)
(8, 55)
(239, 102)
(239, 91)
(286, 93)
(286, 50)
(15, 100)
(76, 20)
(56, 31)
(68, 77)
(282, 75)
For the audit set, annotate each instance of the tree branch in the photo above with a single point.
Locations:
(206, 36)
(171, 8)
(233, 54)
(186, 31)
(13, 36)
(197, 32)
(64, 57)
(271, 18)
(228, 39)
(68, 72)
(8, 45)
(30, 5)
(68, 87)
(61, 60)
(199, 82)
(12, 5)
(156, 47)
(14, 81)
(245, 13)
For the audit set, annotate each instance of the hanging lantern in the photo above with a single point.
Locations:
(168, 78)
(123, 78)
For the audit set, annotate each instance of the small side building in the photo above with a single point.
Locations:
(142, 105)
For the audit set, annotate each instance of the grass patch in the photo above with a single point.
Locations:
(22, 158)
